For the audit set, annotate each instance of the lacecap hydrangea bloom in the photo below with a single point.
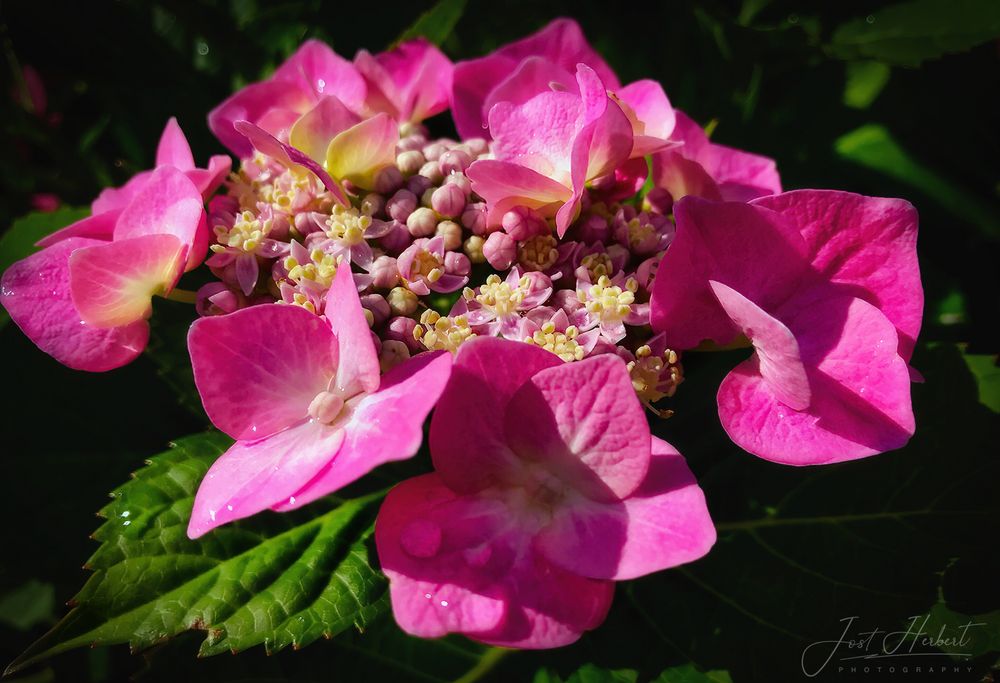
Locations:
(531, 284)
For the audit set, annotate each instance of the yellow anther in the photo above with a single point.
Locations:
(563, 344)
(246, 233)
(321, 268)
(606, 301)
(347, 225)
(655, 376)
(435, 274)
(638, 232)
(300, 299)
(538, 253)
(597, 264)
(424, 263)
(442, 332)
(500, 297)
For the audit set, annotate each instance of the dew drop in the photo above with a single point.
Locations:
(126, 522)
(427, 595)
(126, 513)
(320, 84)
(229, 507)
(444, 603)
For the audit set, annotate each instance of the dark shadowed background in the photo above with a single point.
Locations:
(888, 99)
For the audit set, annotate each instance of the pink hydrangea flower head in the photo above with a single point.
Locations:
(826, 287)
(303, 398)
(173, 150)
(313, 72)
(705, 169)
(519, 71)
(410, 83)
(548, 488)
(546, 168)
(84, 298)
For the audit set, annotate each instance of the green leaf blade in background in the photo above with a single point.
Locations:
(274, 580)
(437, 23)
(909, 33)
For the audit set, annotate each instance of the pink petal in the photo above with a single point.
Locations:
(36, 293)
(472, 82)
(864, 241)
(259, 368)
(100, 226)
(504, 185)
(756, 252)
(583, 422)
(682, 177)
(545, 147)
(254, 475)
(664, 523)
(322, 71)
(410, 82)
(314, 130)
(359, 152)
(252, 104)
(533, 76)
(647, 101)
(169, 204)
(467, 441)
(208, 180)
(861, 388)
(436, 549)
(358, 369)
(117, 198)
(267, 144)
(384, 426)
(173, 149)
(779, 361)
(113, 283)
(562, 41)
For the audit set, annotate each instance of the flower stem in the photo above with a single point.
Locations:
(485, 664)
(184, 296)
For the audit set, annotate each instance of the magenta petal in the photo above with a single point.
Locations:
(860, 389)
(533, 76)
(36, 293)
(583, 422)
(755, 251)
(384, 426)
(254, 475)
(169, 204)
(253, 103)
(682, 177)
(504, 185)
(410, 82)
(99, 227)
(173, 149)
(779, 361)
(259, 368)
(314, 130)
(651, 108)
(869, 242)
(117, 198)
(435, 548)
(322, 71)
(562, 41)
(468, 446)
(664, 523)
(357, 369)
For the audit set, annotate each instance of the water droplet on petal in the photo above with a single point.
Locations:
(421, 538)
(444, 603)
(229, 507)
(427, 595)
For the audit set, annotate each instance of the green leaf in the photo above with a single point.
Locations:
(588, 674)
(909, 33)
(276, 580)
(987, 374)
(437, 23)
(873, 146)
(167, 348)
(689, 674)
(29, 605)
(865, 80)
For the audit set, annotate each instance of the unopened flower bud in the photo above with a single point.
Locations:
(378, 306)
(477, 146)
(410, 162)
(422, 222)
(418, 184)
(392, 354)
(433, 151)
(457, 263)
(396, 239)
(659, 200)
(461, 180)
(594, 228)
(401, 205)
(538, 253)
(452, 233)
(431, 171)
(384, 272)
(372, 204)
(454, 161)
(425, 198)
(523, 223)
(474, 218)
(473, 248)
(401, 329)
(388, 180)
(500, 250)
(402, 301)
(417, 141)
(448, 200)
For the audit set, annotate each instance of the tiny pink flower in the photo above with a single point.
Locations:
(410, 83)
(425, 266)
(548, 488)
(303, 398)
(495, 308)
